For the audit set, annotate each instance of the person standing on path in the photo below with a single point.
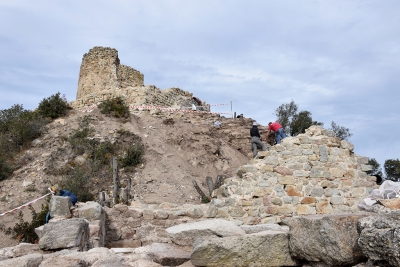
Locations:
(277, 128)
(255, 139)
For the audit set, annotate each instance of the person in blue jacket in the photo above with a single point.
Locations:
(63, 193)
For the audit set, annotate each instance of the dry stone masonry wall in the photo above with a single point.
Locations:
(102, 77)
(312, 173)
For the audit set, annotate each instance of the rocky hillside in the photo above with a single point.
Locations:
(179, 148)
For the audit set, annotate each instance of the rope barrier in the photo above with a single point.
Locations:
(27, 204)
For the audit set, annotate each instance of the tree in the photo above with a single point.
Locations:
(302, 121)
(342, 132)
(284, 114)
(376, 168)
(392, 169)
(292, 122)
(53, 107)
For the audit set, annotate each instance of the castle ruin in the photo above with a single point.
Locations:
(102, 77)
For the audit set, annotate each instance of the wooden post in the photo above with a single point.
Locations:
(102, 198)
(210, 184)
(204, 198)
(234, 115)
(218, 181)
(128, 190)
(115, 179)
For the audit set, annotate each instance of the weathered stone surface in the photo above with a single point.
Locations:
(31, 260)
(331, 239)
(268, 248)
(65, 234)
(168, 254)
(393, 203)
(283, 170)
(90, 211)
(251, 229)
(380, 238)
(186, 234)
(60, 206)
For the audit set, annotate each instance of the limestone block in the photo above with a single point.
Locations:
(283, 170)
(30, 260)
(292, 191)
(308, 200)
(268, 248)
(379, 239)
(286, 180)
(323, 207)
(90, 211)
(365, 167)
(65, 234)
(186, 234)
(271, 160)
(317, 192)
(328, 239)
(299, 173)
(305, 210)
(337, 200)
(236, 211)
(250, 220)
(347, 145)
(160, 214)
(336, 172)
(168, 254)
(60, 206)
(148, 214)
(212, 211)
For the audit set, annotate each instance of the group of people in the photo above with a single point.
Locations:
(256, 138)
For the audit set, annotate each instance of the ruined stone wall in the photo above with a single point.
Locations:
(102, 77)
(312, 173)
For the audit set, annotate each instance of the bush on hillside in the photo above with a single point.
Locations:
(77, 180)
(115, 107)
(79, 138)
(5, 169)
(18, 127)
(133, 156)
(25, 231)
(53, 107)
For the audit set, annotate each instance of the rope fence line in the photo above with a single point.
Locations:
(27, 204)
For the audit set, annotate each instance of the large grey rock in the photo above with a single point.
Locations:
(168, 254)
(65, 234)
(186, 234)
(60, 206)
(250, 229)
(30, 260)
(91, 211)
(25, 248)
(268, 248)
(380, 238)
(331, 239)
(64, 262)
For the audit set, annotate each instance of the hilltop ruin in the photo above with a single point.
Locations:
(102, 77)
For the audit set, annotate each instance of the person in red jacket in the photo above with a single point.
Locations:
(278, 130)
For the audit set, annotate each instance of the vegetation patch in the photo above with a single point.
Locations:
(115, 107)
(24, 231)
(53, 107)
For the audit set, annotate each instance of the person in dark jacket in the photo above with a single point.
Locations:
(256, 139)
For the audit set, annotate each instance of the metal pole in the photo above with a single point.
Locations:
(231, 107)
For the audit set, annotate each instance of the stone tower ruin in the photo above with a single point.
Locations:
(102, 77)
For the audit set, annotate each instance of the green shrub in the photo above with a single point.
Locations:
(133, 156)
(24, 231)
(5, 169)
(53, 107)
(115, 107)
(18, 127)
(103, 152)
(77, 180)
(79, 138)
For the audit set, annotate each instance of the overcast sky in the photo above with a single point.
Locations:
(338, 59)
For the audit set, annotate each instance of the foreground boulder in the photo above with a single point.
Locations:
(268, 248)
(168, 254)
(72, 233)
(331, 239)
(380, 239)
(186, 234)
(31, 260)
